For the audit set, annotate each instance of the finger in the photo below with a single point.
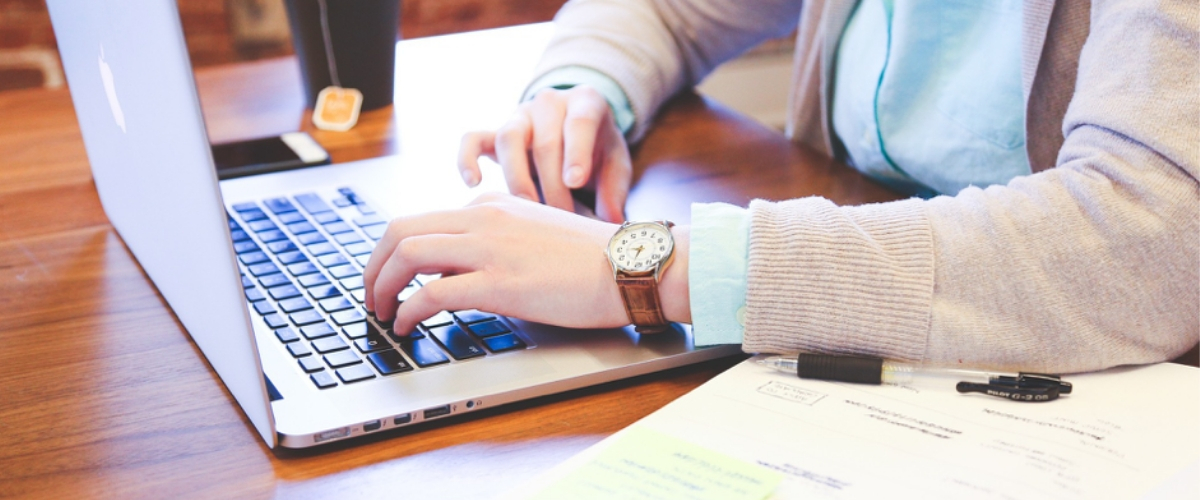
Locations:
(616, 173)
(428, 254)
(512, 152)
(474, 145)
(440, 222)
(548, 154)
(453, 293)
(585, 115)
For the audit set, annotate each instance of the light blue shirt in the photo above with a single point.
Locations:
(927, 99)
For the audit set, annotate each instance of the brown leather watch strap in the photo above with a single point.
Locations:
(640, 295)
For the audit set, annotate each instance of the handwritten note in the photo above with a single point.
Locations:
(642, 463)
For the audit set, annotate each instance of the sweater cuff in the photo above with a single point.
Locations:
(720, 237)
(840, 280)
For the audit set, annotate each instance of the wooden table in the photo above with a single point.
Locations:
(103, 394)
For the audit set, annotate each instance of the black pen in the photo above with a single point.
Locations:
(1024, 387)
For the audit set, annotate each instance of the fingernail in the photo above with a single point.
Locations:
(574, 176)
(469, 178)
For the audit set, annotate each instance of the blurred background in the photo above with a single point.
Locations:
(229, 31)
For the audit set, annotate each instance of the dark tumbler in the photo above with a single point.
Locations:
(362, 34)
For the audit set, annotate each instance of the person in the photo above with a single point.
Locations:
(1051, 150)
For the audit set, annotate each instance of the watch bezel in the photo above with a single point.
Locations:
(654, 269)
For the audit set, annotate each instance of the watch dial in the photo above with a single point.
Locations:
(640, 247)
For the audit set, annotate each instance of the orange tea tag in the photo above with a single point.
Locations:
(337, 108)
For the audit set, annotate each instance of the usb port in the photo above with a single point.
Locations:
(437, 412)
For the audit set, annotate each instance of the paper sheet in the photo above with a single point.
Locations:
(1123, 433)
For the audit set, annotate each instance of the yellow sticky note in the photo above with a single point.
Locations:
(646, 464)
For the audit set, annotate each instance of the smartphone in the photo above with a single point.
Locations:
(268, 154)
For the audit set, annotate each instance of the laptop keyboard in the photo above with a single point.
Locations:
(301, 259)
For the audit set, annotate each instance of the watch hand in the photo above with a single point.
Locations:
(639, 251)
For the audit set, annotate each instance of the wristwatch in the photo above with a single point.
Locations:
(639, 252)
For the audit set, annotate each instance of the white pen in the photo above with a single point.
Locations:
(864, 370)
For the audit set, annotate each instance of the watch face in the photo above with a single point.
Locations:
(640, 246)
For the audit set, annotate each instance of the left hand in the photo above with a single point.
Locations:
(499, 254)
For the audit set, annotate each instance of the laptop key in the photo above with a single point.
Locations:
(360, 248)
(369, 220)
(254, 294)
(439, 319)
(293, 305)
(342, 358)
(338, 227)
(362, 260)
(299, 349)
(347, 238)
(245, 246)
(290, 217)
(259, 226)
(311, 280)
(244, 206)
(273, 280)
(281, 247)
(311, 365)
(302, 268)
(488, 329)
(414, 335)
(344, 271)
(375, 232)
(329, 344)
(284, 292)
(323, 380)
(306, 317)
(352, 283)
(372, 343)
(317, 331)
(346, 317)
(359, 295)
(335, 304)
(290, 258)
(356, 373)
(335, 259)
(457, 342)
(506, 342)
(279, 205)
(341, 202)
(473, 316)
(322, 291)
(326, 217)
(264, 307)
(310, 238)
(389, 362)
(423, 352)
(300, 227)
(275, 321)
(286, 334)
(312, 203)
(239, 235)
(257, 270)
(320, 249)
(272, 235)
(252, 214)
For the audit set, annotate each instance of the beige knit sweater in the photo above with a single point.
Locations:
(1091, 262)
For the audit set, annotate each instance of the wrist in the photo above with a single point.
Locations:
(673, 285)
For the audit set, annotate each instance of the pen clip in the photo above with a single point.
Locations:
(1025, 387)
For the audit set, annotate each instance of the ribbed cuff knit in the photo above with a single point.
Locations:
(842, 280)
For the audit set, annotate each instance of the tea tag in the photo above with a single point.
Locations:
(337, 108)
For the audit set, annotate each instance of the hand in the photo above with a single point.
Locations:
(573, 142)
(499, 254)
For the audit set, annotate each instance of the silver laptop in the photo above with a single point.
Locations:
(265, 271)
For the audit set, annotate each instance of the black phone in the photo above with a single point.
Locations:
(268, 154)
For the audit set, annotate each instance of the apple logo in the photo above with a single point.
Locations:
(107, 77)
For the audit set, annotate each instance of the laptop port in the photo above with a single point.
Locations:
(372, 426)
(437, 412)
(402, 419)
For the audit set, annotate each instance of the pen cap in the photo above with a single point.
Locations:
(840, 368)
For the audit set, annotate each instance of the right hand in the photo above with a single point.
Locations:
(562, 140)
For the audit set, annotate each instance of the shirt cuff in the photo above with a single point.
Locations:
(569, 76)
(718, 256)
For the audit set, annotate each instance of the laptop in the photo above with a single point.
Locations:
(264, 271)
